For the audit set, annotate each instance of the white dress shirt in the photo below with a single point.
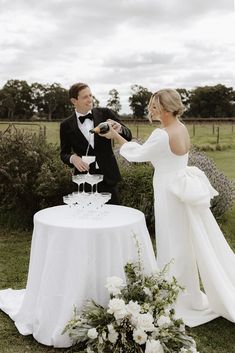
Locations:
(85, 127)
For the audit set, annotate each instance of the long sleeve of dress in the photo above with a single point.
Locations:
(134, 152)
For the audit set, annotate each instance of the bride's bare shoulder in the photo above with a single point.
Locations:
(179, 138)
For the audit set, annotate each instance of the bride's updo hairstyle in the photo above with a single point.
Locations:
(168, 100)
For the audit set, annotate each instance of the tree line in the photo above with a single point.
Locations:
(20, 100)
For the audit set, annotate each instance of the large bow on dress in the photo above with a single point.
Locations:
(192, 187)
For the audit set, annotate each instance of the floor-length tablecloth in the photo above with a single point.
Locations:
(70, 259)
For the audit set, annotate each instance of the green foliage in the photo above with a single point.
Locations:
(114, 101)
(139, 100)
(136, 189)
(15, 97)
(210, 147)
(212, 101)
(31, 177)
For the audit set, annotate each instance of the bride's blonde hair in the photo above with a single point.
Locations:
(168, 100)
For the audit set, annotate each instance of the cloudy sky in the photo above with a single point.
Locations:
(117, 43)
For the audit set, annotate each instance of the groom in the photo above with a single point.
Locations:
(74, 137)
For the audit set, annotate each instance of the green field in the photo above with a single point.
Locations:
(215, 337)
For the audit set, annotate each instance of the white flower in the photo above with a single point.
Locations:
(114, 284)
(92, 333)
(117, 307)
(167, 312)
(89, 350)
(153, 347)
(133, 320)
(147, 291)
(140, 336)
(113, 336)
(163, 321)
(145, 322)
(155, 333)
(133, 308)
(183, 350)
(111, 328)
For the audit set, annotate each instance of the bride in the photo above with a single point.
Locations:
(186, 230)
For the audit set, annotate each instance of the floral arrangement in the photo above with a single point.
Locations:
(139, 317)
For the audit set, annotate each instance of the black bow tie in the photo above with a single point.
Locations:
(82, 118)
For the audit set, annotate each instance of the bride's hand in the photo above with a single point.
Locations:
(111, 134)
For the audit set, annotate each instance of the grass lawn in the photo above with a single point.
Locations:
(217, 336)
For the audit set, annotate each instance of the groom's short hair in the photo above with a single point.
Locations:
(76, 88)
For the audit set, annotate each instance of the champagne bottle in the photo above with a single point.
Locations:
(102, 128)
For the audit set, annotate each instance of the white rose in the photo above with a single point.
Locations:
(153, 347)
(117, 307)
(155, 333)
(134, 319)
(92, 333)
(167, 312)
(140, 336)
(163, 321)
(113, 336)
(133, 308)
(110, 328)
(147, 291)
(145, 322)
(114, 284)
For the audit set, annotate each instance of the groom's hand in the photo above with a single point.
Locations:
(79, 163)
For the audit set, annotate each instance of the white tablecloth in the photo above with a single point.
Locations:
(69, 263)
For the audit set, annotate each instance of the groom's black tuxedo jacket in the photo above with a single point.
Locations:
(73, 141)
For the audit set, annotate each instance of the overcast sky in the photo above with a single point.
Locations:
(117, 43)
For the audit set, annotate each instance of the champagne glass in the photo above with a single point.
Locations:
(68, 200)
(93, 180)
(88, 160)
(79, 179)
(99, 178)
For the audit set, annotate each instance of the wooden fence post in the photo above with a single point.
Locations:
(218, 135)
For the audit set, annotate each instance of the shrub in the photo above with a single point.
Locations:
(136, 189)
(213, 147)
(31, 177)
(225, 187)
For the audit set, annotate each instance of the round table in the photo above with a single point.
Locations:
(71, 258)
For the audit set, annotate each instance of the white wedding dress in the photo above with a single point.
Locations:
(187, 232)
